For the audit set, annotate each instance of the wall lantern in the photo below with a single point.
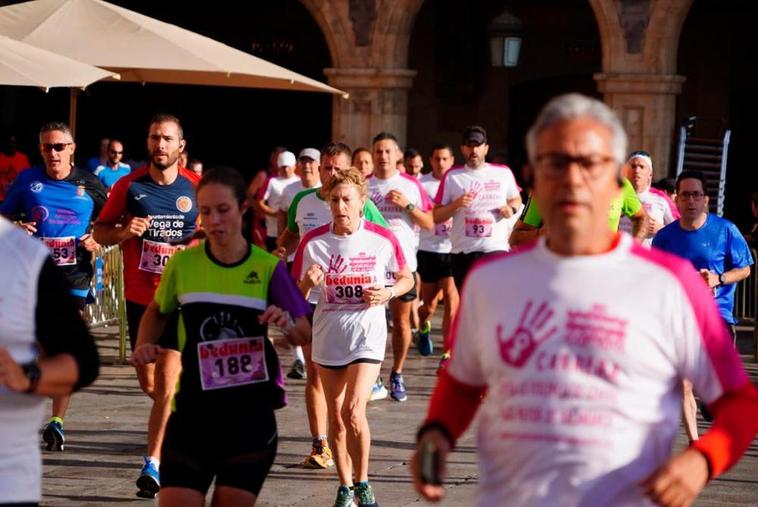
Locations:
(505, 33)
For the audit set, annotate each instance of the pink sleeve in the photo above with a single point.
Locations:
(298, 270)
(669, 201)
(389, 236)
(426, 202)
(439, 199)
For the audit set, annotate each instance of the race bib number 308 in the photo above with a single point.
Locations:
(346, 288)
(155, 255)
(231, 363)
(62, 250)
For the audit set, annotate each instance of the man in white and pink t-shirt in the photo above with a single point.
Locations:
(268, 205)
(582, 384)
(407, 208)
(659, 207)
(482, 199)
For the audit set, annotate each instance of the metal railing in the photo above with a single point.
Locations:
(109, 307)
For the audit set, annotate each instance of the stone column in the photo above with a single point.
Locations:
(646, 104)
(378, 102)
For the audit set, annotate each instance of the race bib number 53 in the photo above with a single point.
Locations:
(231, 363)
(155, 255)
(62, 250)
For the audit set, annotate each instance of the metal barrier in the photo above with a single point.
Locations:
(746, 297)
(109, 307)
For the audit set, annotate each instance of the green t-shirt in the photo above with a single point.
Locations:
(626, 203)
(311, 210)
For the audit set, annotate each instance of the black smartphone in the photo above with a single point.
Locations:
(430, 464)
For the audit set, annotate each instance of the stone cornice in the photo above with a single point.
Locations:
(663, 84)
(370, 78)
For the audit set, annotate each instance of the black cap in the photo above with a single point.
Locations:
(474, 134)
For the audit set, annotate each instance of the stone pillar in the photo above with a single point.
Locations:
(378, 102)
(646, 104)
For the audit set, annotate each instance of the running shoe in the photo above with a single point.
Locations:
(443, 361)
(345, 497)
(365, 495)
(149, 481)
(53, 436)
(298, 370)
(320, 456)
(378, 391)
(397, 387)
(424, 341)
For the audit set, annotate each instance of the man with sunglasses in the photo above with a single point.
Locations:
(57, 203)
(151, 213)
(576, 382)
(113, 169)
(309, 210)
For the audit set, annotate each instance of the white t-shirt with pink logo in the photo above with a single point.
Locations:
(399, 220)
(273, 197)
(438, 239)
(657, 208)
(480, 227)
(583, 359)
(344, 327)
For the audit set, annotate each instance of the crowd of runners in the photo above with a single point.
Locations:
(565, 325)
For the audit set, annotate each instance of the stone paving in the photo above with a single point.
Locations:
(106, 432)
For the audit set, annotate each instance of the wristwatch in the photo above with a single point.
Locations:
(722, 279)
(410, 207)
(32, 373)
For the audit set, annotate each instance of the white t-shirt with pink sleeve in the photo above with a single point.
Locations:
(344, 327)
(583, 359)
(438, 239)
(273, 197)
(399, 220)
(480, 227)
(657, 208)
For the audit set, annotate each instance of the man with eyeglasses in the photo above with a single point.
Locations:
(113, 170)
(482, 199)
(151, 212)
(658, 206)
(309, 210)
(577, 384)
(57, 203)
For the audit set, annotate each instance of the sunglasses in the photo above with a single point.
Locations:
(48, 147)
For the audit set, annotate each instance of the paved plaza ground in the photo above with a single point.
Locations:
(106, 432)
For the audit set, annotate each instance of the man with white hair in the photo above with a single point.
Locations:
(584, 382)
(659, 211)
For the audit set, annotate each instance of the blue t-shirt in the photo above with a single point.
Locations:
(717, 246)
(109, 176)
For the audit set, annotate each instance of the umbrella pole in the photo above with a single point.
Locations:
(73, 97)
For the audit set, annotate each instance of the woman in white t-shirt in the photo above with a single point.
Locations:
(348, 259)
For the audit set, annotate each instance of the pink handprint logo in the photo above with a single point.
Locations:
(377, 197)
(475, 189)
(521, 345)
(337, 264)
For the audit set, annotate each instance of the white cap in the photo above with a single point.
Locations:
(311, 153)
(286, 159)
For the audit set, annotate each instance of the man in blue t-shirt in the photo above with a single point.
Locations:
(113, 169)
(716, 249)
(713, 244)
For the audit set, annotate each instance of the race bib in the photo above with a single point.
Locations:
(443, 229)
(346, 288)
(155, 255)
(62, 250)
(479, 227)
(233, 362)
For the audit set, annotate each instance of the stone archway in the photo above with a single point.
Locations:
(640, 40)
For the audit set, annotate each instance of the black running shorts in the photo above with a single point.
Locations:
(433, 267)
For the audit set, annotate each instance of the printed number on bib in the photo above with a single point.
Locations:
(62, 250)
(155, 255)
(231, 363)
(443, 229)
(479, 227)
(346, 288)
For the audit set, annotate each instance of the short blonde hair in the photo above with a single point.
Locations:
(350, 176)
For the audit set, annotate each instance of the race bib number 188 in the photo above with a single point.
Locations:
(155, 255)
(231, 363)
(62, 250)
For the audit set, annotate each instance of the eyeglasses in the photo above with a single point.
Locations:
(555, 165)
(48, 147)
(691, 195)
(114, 152)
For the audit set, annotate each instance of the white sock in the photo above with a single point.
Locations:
(299, 354)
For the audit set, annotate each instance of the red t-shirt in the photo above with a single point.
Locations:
(9, 169)
(174, 217)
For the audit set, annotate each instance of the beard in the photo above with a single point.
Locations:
(171, 159)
